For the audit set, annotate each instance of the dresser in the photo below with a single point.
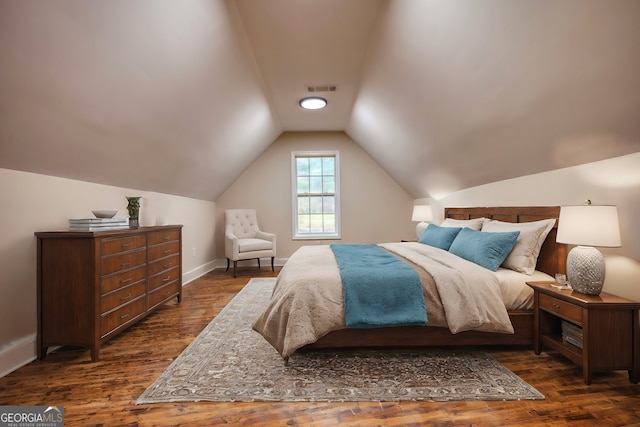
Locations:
(94, 285)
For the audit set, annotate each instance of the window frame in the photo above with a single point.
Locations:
(296, 235)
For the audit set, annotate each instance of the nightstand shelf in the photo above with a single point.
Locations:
(609, 325)
(570, 351)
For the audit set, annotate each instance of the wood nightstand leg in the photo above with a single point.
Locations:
(537, 345)
(634, 372)
(587, 377)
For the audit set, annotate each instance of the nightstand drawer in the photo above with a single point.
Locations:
(561, 308)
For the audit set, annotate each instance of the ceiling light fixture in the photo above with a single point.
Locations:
(313, 103)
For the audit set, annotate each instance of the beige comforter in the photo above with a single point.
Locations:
(306, 303)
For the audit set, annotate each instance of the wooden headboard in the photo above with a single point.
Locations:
(553, 255)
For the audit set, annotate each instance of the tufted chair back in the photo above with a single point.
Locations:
(242, 223)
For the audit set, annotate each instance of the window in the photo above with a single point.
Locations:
(316, 202)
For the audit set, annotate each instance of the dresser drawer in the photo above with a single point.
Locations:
(157, 266)
(161, 251)
(122, 296)
(122, 244)
(123, 279)
(164, 237)
(162, 294)
(124, 314)
(125, 261)
(163, 278)
(561, 308)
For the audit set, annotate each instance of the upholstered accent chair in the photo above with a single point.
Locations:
(243, 239)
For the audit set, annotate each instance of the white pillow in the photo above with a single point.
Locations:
(420, 228)
(474, 224)
(524, 255)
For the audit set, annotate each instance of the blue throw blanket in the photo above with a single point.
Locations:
(378, 288)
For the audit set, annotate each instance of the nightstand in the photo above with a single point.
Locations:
(607, 327)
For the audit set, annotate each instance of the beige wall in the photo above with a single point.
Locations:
(374, 207)
(609, 182)
(33, 202)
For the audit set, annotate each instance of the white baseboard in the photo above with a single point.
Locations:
(192, 275)
(17, 354)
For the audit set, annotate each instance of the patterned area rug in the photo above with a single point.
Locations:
(229, 362)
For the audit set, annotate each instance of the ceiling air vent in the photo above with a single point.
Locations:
(321, 88)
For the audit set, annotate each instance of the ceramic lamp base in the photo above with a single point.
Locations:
(586, 270)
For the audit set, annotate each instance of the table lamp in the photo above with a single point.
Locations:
(422, 213)
(588, 226)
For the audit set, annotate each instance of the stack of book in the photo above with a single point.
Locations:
(572, 334)
(98, 224)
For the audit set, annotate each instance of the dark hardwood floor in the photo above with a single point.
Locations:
(104, 393)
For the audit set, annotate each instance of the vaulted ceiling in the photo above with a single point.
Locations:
(181, 96)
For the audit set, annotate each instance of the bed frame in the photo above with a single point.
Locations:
(552, 260)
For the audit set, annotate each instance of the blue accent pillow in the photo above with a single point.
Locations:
(486, 249)
(439, 237)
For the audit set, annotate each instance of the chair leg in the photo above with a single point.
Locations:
(235, 264)
(227, 265)
(258, 263)
(272, 269)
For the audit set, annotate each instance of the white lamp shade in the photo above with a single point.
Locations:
(422, 213)
(589, 225)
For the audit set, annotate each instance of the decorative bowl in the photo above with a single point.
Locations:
(104, 213)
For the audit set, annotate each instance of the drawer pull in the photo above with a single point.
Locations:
(125, 264)
(126, 245)
(166, 237)
(166, 294)
(166, 251)
(128, 279)
(124, 316)
(166, 279)
(167, 265)
(556, 306)
(126, 297)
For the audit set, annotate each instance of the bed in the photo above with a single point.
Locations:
(294, 320)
